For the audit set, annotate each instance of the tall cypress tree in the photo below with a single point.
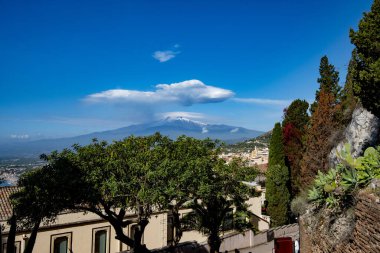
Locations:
(277, 194)
(277, 183)
(366, 73)
(276, 147)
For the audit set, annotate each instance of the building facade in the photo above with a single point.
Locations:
(78, 232)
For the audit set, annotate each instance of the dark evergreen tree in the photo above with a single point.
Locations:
(349, 100)
(277, 194)
(276, 147)
(328, 81)
(366, 72)
(296, 114)
(277, 180)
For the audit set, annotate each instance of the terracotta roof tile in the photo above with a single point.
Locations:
(5, 203)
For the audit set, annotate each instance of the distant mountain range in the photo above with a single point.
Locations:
(172, 127)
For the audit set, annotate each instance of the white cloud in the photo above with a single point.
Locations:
(262, 101)
(20, 136)
(204, 130)
(164, 56)
(234, 130)
(184, 93)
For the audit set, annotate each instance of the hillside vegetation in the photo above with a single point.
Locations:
(261, 141)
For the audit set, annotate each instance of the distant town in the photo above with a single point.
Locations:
(256, 157)
(12, 168)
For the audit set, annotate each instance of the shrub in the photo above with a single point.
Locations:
(299, 204)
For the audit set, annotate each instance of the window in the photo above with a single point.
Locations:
(228, 221)
(100, 239)
(61, 243)
(17, 247)
(188, 221)
(170, 230)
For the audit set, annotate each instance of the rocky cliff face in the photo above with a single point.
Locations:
(363, 131)
(355, 230)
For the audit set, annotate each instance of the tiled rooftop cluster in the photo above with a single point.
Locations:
(5, 204)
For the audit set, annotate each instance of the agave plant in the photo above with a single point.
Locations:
(338, 184)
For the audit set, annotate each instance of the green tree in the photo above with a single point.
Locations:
(41, 196)
(123, 178)
(328, 81)
(366, 55)
(294, 125)
(108, 180)
(276, 147)
(139, 175)
(277, 194)
(188, 157)
(220, 190)
(277, 205)
(296, 114)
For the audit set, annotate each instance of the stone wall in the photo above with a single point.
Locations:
(363, 131)
(356, 231)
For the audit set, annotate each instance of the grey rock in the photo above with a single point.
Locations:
(363, 131)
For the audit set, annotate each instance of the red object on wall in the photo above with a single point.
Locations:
(283, 245)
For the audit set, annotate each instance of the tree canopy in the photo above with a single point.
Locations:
(276, 147)
(296, 114)
(366, 55)
(139, 175)
(221, 189)
(328, 81)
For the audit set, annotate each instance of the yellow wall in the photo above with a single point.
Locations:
(81, 226)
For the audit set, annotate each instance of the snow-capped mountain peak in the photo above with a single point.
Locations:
(185, 120)
(170, 126)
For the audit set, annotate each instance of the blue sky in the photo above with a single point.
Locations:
(74, 67)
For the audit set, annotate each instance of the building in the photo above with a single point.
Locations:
(87, 233)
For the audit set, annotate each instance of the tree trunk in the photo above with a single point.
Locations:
(32, 239)
(177, 225)
(120, 233)
(12, 234)
(214, 242)
(138, 247)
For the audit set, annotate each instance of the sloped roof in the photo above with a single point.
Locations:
(5, 203)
